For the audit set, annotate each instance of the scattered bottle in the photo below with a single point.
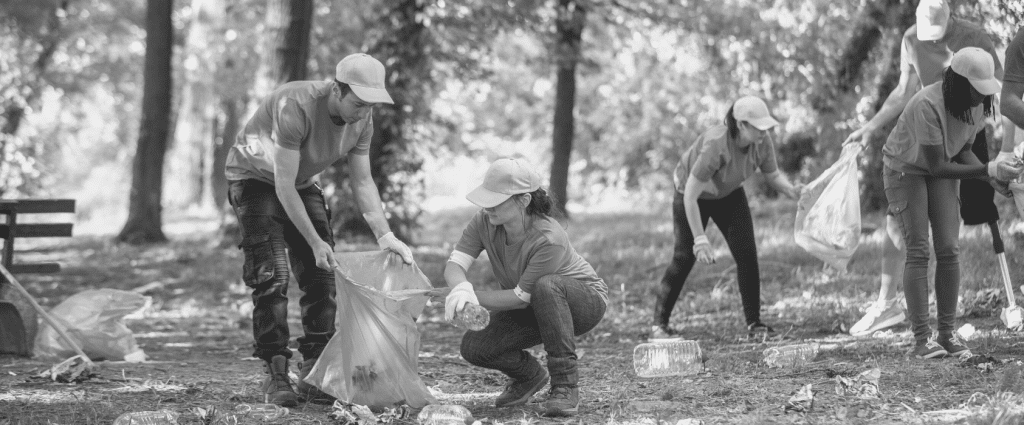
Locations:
(246, 413)
(790, 355)
(445, 414)
(472, 317)
(149, 417)
(667, 357)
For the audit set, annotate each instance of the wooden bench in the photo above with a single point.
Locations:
(17, 336)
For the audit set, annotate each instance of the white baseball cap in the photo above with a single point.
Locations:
(753, 110)
(365, 75)
(978, 67)
(505, 177)
(932, 19)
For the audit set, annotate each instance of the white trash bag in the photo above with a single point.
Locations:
(828, 212)
(94, 318)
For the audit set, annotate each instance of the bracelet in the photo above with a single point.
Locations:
(702, 239)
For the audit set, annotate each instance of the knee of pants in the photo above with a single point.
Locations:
(946, 253)
(266, 265)
(918, 253)
(546, 286)
(475, 350)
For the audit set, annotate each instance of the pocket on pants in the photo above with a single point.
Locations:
(259, 260)
(898, 210)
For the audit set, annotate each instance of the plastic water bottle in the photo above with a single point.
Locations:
(472, 317)
(246, 413)
(667, 357)
(148, 417)
(790, 355)
(445, 414)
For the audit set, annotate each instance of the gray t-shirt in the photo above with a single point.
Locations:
(545, 250)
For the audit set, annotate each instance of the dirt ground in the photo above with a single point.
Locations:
(198, 339)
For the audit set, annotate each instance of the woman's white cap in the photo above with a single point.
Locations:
(505, 177)
(753, 110)
(978, 67)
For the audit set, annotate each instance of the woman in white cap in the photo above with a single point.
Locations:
(924, 159)
(547, 293)
(709, 181)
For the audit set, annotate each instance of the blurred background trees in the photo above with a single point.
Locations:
(605, 94)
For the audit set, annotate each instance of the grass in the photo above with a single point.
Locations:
(197, 332)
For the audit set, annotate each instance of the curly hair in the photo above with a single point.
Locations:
(542, 203)
(732, 124)
(956, 94)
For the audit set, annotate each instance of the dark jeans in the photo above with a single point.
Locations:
(269, 241)
(977, 203)
(917, 202)
(732, 215)
(560, 309)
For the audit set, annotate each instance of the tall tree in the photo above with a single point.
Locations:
(288, 23)
(569, 25)
(144, 207)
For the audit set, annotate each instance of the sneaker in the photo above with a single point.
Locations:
(953, 345)
(277, 386)
(664, 332)
(880, 315)
(758, 328)
(307, 391)
(929, 350)
(517, 393)
(563, 400)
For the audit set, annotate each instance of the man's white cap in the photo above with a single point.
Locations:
(505, 177)
(932, 19)
(753, 110)
(365, 75)
(978, 67)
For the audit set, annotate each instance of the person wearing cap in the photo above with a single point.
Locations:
(708, 181)
(548, 294)
(924, 157)
(1011, 105)
(299, 130)
(926, 51)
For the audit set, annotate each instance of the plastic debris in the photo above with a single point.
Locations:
(357, 414)
(966, 331)
(863, 386)
(982, 362)
(73, 370)
(151, 417)
(802, 401)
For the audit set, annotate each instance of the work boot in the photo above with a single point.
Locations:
(308, 391)
(277, 387)
(517, 393)
(563, 400)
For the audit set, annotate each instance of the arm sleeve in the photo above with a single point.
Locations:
(290, 125)
(1015, 59)
(924, 124)
(905, 49)
(709, 160)
(769, 163)
(471, 242)
(544, 261)
(363, 146)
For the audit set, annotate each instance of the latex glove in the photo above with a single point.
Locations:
(1005, 167)
(324, 255)
(391, 243)
(702, 249)
(457, 299)
(1002, 188)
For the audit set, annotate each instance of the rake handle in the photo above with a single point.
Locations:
(46, 316)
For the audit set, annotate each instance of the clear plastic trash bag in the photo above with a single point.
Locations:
(372, 358)
(828, 212)
(94, 318)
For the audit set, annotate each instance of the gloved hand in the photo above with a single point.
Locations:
(1002, 188)
(456, 300)
(390, 242)
(702, 249)
(1005, 167)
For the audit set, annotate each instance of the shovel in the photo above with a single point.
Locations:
(49, 319)
(1012, 315)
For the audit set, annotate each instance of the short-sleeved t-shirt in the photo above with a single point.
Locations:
(715, 158)
(545, 250)
(1015, 70)
(930, 58)
(295, 116)
(926, 122)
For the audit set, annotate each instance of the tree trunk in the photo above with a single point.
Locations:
(569, 29)
(144, 208)
(288, 25)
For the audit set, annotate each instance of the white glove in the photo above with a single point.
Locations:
(456, 300)
(1005, 167)
(391, 243)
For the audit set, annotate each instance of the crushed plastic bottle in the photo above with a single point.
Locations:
(445, 414)
(472, 317)
(148, 417)
(246, 413)
(667, 357)
(790, 355)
